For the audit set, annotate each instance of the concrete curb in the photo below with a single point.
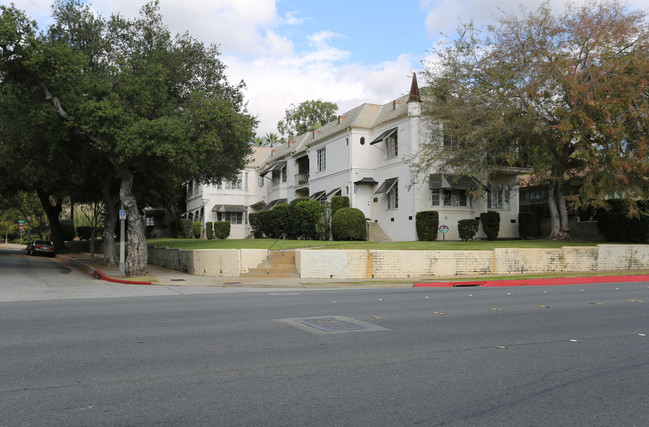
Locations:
(536, 282)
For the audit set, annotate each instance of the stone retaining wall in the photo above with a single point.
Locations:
(362, 264)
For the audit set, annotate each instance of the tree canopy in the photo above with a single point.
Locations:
(564, 93)
(148, 108)
(305, 117)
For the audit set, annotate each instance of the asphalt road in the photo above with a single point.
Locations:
(561, 355)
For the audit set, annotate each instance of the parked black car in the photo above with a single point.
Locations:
(44, 247)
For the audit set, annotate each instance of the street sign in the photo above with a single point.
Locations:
(21, 225)
(122, 214)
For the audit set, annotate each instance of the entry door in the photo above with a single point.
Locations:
(364, 199)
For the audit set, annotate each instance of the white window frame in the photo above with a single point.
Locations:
(392, 197)
(498, 198)
(392, 144)
(234, 218)
(321, 159)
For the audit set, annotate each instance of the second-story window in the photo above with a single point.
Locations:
(284, 174)
(322, 159)
(392, 143)
(260, 181)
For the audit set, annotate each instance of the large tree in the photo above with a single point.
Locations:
(564, 93)
(154, 108)
(305, 117)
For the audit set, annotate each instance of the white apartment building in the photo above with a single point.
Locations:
(366, 155)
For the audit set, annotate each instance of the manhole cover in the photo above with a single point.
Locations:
(332, 325)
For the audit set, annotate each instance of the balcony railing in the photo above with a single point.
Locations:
(301, 179)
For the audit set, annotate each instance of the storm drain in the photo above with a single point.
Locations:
(332, 325)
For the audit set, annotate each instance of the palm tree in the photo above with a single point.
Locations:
(272, 138)
(259, 142)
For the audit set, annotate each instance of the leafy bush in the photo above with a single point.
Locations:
(338, 202)
(186, 229)
(490, 224)
(209, 230)
(196, 228)
(427, 223)
(221, 229)
(266, 221)
(281, 220)
(255, 225)
(84, 232)
(349, 224)
(616, 226)
(294, 231)
(67, 230)
(312, 221)
(467, 228)
(526, 224)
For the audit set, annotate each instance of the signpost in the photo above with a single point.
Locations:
(21, 227)
(443, 229)
(122, 232)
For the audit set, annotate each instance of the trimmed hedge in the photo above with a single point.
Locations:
(338, 202)
(427, 223)
(490, 224)
(526, 224)
(281, 221)
(84, 232)
(221, 229)
(467, 228)
(196, 228)
(67, 230)
(266, 222)
(311, 221)
(294, 231)
(616, 226)
(209, 230)
(186, 229)
(349, 224)
(255, 225)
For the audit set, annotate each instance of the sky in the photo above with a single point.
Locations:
(288, 51)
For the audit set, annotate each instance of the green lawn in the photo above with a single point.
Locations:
(293, 244)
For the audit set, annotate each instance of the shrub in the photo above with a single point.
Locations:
(338, 202)
(526, 224)
(255, 225)
(349, 224)
(280, 219)
(221, 229)
(490, 224)
(309, 218)
(209, 230)
(426, 225)
(186, 231)
(467, 228)
(84, 232)
(294, 231)
(196, 229)
(616, 226)
(67, 230)
(266, 222)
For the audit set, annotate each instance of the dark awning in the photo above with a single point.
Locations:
(258, 205)
(273, 203)
(386, 186)
(334, 191)
(317, 195)
(456, 182)
(366, 180)
(228, 208)
(275, 167)
(384, 135)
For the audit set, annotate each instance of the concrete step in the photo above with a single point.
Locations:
(376, 233)
(281, 266)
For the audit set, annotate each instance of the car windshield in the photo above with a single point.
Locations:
(41, 242)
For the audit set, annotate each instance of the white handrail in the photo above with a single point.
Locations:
(269, 257)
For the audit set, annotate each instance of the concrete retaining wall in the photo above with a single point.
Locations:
(361, 264)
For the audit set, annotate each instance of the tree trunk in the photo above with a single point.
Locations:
(559, 229)
(137, 258)
(52, 212)
(110, 256)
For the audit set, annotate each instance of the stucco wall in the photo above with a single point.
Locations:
(360, 264)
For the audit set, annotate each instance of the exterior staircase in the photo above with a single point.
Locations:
(376, 234)
(281, 266)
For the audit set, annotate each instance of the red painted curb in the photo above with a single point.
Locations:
(98, 274)
(535, 282)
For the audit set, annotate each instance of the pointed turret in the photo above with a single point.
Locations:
(414, 90)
